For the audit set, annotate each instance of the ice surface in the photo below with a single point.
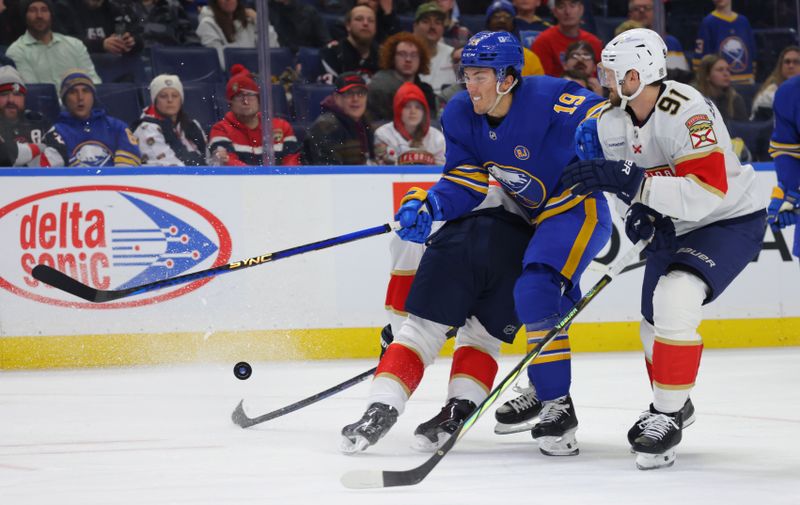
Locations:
(163, 435)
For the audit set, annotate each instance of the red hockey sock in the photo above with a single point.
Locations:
(397, 292)
(675, 364)
(403, 365)
(474, 364)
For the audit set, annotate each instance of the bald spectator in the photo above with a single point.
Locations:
(551, 45)
(429, 27)
(358, 52)
(43, 56)
(527, 24)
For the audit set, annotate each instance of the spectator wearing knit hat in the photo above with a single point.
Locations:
(341, 135)
(501, 17)
(21, 131)
(238, 139)
(43, 56)
(167, 135)
(85, 136)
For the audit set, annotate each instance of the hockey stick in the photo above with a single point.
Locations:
(240, 418)
(62, 281)
(363, 479)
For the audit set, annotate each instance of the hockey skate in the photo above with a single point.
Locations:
(518, 414)
(655, 447)
(372, 426)
(687, 413)
(556, 429)
(432, 434)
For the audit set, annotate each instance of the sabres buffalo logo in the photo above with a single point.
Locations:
(526, 189)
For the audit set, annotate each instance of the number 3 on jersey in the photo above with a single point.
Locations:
(568, 100)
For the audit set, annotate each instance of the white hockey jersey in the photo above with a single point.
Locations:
(693, 174)
(392, 148)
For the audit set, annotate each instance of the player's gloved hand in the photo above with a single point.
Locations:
(642, 222)
(418, 210)
(782, 206)
(387, 337)
(623, 177)
(587, 142)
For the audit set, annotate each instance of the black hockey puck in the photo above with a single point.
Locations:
(242, 370)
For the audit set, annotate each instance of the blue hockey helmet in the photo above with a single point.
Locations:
(495, 50)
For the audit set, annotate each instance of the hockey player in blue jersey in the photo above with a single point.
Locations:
(521, 132)
(785, 149)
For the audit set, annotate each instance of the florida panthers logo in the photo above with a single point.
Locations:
(735, 52)
(526, 189)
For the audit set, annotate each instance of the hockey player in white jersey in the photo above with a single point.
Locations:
(664, 150)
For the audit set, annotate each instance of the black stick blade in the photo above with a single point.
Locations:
(64, 282)
(240, 418)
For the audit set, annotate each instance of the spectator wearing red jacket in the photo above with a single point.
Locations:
(237, 138)
(551, 45)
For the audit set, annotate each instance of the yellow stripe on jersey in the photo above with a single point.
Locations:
(708, 187)
(550, 358)
(471, 185)
(780, 149)
(471, 176)
(582, 240)
(595, 110)
(695, 156)
(568, 204)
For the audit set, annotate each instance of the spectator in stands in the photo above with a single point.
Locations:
(641, 12)
(341, 135)
(429, 26)
(238, 139)
(21, 130)
(500, 16)
(163, 22)
(409, 139)
(10, 27)
(580, 63)
(298, 24)
(44, 56)
(730, 34)
(455, 34)
(227, 23)
(403, 58)
(527, 24)
(167, 135)
(358, 52)
(788, 66)
(85, 136)
(101, 25)
(450, 91)
(551, 45)
(714, 82)
(386, 22)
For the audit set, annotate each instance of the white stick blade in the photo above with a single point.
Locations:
(362, 479)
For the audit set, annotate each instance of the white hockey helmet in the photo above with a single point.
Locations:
(638, 49)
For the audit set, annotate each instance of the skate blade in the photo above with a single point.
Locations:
(565, 445)
(350, 446)
(507, 429)
(421, 443)
(645, 461)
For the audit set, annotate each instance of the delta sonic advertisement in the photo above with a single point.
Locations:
(108, 237)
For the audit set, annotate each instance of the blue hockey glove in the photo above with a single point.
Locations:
(621, 177)
(587, 142)
(781, 211)
(418, 210)
(642, 222)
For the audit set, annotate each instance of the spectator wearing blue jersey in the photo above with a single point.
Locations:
(784, 147)
(729, 34)
(527, 25)
(85, 136)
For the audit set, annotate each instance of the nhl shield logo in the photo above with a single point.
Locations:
(522, 153)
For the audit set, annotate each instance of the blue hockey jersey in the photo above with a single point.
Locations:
(525, 153)
(784, 146)
(732, 37)
(99, 141)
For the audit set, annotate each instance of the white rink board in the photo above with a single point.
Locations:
(342, 287)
